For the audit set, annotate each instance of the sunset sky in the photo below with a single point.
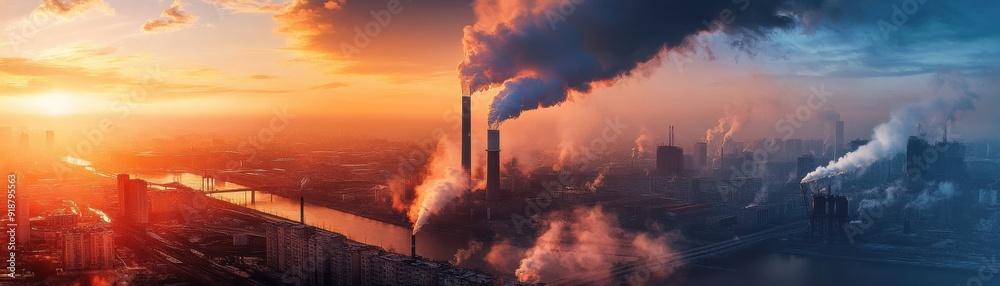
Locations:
(67, 64)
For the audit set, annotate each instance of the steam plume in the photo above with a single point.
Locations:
(598, 181)
(642, 141)
(586, 240)
(464, 254)
(933, 193)
(541, 51)
(890, 138)
(446, 181)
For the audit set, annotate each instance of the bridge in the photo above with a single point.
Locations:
(207, 186)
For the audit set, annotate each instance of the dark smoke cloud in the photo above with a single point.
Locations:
(541, 51)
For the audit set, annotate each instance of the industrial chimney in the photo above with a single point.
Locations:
(467, 134)
(413, 245)
(302, 209)
(492, 162)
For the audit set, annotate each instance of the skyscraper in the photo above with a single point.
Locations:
(669, 160)
(50, 141)
(122, 186)
(838, 146)
(137, 201)
(88, 248)
(22, 144)
(701, 151)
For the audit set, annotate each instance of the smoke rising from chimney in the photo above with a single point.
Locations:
(463, 254)
(445, 182)
(541, 51)
(889, 138)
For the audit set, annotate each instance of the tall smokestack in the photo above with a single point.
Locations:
(467, 134)
(839, 139)
(302, 209)
(492, 162)
(413, 245)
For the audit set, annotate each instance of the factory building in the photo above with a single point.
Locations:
(934, 162)
(670, 158)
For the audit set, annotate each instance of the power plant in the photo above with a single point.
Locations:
(670, 158)
(467, 134)
(492, 163)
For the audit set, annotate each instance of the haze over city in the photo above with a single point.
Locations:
(477, 142)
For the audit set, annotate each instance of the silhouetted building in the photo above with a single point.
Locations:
(137, 201)
(492, 163)
(303, 251)
(22, 144)
(467, 134)
(50, 141)
(944, 161)
(857, 143)
(122, 186)
(88, 247)
(838, 139)
(669, 160)
(701, 151)
(804, 165)
(62, 219)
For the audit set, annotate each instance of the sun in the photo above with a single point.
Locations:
(54, 103)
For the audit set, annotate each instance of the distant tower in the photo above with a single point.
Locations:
(22, 144)
(492, 162)
(137, 201)
(804, 165)
(839, 139)
(122, 186)
(467, 134)
(50, 141)
(669, 159)
(701, 150)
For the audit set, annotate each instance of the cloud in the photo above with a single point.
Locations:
(331, 85)
(248, 6)
(411, 40)
(263, 76)
(68, 9)
(171, 19)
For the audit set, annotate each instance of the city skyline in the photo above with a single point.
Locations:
(500, 143)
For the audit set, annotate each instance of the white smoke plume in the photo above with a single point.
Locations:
(445, 182)
(643, 141)
(890, 138)
(587, 241)
(761, 196)
(933, 193)
(464, 254)
(882, 198)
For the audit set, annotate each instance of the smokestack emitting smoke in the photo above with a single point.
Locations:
(413, 244)
(889, 138)
(540, 53)
(445, 181)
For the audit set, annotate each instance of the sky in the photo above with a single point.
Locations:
(390, 69)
